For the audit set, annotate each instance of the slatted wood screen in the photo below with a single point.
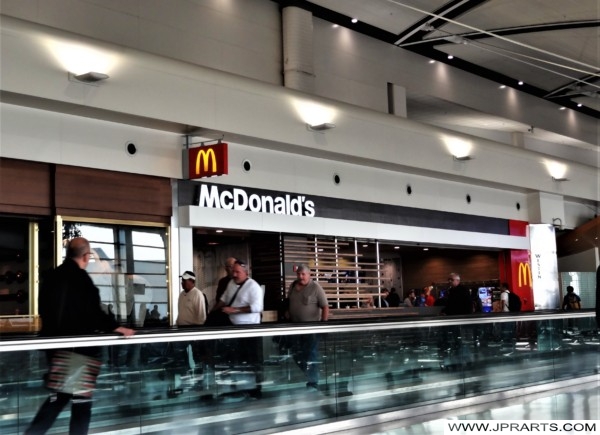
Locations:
(348, 272)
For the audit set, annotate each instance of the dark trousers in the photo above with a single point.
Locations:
(306, 355)
(81, 413)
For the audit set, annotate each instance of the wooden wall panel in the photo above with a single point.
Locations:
(25, 187)
(472, 266)
(581, 239)
(95, 193)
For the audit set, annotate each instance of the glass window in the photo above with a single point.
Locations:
(129, 266)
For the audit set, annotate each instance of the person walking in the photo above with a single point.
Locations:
(69, 305)
(307, 303)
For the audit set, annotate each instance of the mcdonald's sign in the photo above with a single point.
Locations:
(524, 274)
(207, 161)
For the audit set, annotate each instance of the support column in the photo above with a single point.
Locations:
(547, 208)
(298, 62)
(517, 138)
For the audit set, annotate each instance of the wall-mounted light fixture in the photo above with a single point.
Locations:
(556, 170)
(462, 158)
(89, 78)
(459, 148)
(320, 127)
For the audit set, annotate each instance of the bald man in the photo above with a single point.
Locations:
(69, 305)
(223, 282)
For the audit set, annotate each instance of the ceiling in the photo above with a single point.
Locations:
(552, 46)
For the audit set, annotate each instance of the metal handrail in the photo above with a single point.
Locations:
(202, 333)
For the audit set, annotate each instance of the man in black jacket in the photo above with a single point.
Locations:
(458, 297)
(69, 305)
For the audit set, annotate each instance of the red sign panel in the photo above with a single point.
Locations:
(207, 161)
(520, 278)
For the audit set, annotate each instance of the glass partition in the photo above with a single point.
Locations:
(269, 379)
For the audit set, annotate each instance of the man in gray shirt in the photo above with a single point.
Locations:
(307, 303)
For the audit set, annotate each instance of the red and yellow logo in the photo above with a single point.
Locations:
(207, 161)
(524, 274)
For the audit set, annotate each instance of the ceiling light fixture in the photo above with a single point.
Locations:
(91, 77)
(450, 57)
(431, 61)
(562, 108)
(579, 104)
(520, 82)
(320, 128)
(354, 20)
(502, 86)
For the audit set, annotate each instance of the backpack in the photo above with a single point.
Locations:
(514, 302)
(573, 302)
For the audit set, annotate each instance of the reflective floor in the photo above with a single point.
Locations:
(579, 402)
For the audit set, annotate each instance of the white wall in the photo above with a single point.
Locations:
(244, 37)
(241, 37)
(45, 136)
(260, 115)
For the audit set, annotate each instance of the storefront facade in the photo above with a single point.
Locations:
(355, 248)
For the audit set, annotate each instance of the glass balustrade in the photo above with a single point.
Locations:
(243, 380)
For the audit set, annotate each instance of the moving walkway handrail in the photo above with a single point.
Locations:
(203, 333)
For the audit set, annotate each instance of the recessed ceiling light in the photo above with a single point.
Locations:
(365, 246)
(425, 249)
(450, 57)
(502, 86)
(335, 26)
(355, 20)
(520, 82)
(218, 231)
(396, 247)
(431, 61)
(579, 104)
(562, 108)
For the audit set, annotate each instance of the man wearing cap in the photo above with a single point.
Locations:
(193, 308)
(193, 303)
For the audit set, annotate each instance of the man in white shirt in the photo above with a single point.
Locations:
(192, 304)
(504, 297)
(247, 297)
(192, 311)
(243, 301)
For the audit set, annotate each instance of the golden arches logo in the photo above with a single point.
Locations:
(524, 274)
(204, 156)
